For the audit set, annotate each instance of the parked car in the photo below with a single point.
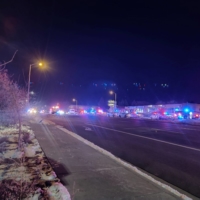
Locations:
(181, 115)
(154, 116)
(162, 116)
(195, 115)
(169, 116)
(122, 114)
(132, 115)
(72, 112)
(112, 114)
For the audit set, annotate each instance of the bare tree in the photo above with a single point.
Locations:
(12, 101)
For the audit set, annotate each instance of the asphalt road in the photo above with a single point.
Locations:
(167, 150)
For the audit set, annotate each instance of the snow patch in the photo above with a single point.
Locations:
(29, 151)
(58, 192)
(13, 154)
(36, 167)
(48, 177)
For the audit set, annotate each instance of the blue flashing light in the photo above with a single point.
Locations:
(92, 110)
(180, 117)
(176, 109)
(186, 110)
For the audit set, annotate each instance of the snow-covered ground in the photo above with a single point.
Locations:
(26, 174)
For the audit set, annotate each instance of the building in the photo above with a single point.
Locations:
(166, 108)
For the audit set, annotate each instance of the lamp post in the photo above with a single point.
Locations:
(76, 103)
(111, 92)
(29, 80)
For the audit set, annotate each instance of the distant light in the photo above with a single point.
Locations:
(186, 110)
(61, 112)
(32, 110)
(176, 109)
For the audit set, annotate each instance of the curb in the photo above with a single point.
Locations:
(118, 160)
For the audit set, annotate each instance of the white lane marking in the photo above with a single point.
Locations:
(125, 120)
(132, 134)
(153, 129)
(88, 129)
(163, 129)
(190, 129)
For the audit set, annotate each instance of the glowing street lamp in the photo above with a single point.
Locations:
(29, 78)
(111, 92)
(75, 100)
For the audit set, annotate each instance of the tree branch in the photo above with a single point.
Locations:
(9, 60)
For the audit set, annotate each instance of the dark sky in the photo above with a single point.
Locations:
(104, 42)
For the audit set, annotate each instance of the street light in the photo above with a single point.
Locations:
(76, 103)
(111, 92)
(29, 78)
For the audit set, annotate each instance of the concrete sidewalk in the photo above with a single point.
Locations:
(90, 175)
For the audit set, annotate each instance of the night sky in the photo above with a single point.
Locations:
(91, 47)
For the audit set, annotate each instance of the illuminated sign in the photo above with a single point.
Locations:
(111, 103)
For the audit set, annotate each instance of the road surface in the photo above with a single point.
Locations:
(167, 150)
